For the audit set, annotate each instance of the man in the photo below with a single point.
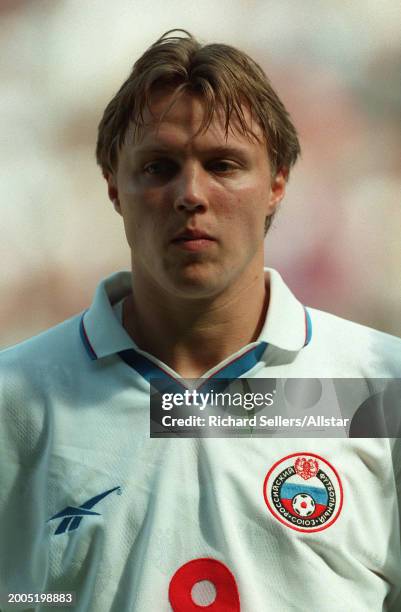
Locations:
(196, 149)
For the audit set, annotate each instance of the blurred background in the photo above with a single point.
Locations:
(335, 64)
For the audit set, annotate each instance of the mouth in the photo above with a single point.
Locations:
(193, 240)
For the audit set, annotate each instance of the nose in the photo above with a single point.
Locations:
(191, 185)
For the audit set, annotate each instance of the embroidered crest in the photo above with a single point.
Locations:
(304, 492)
(306, 468)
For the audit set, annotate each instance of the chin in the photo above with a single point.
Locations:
(195, 282)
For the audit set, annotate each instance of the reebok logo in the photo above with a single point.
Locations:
(72, 516)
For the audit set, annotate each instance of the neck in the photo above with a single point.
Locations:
(169, 327)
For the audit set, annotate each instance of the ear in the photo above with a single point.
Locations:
(113, 191)
(277, 190)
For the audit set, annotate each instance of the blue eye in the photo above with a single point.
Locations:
(159, 167)
(222, 166)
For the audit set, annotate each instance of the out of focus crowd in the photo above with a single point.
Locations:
(336, 65)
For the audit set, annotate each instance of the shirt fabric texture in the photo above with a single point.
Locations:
(74, 425)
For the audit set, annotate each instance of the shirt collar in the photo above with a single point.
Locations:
(101, 331)
(287, 324)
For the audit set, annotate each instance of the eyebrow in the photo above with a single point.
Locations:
(163, 149)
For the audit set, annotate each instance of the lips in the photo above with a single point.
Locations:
(192, 235)
(193, 240)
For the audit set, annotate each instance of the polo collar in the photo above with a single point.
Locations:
(287, 325)
(101, 331)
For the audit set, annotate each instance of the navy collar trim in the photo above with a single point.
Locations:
(308, 327)
(85, 339)
(235, 369)
(146, 368)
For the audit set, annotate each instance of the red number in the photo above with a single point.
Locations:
(181, 584)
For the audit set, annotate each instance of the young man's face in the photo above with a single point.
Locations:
(194, 206)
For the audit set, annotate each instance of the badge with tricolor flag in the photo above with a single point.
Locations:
(304, 491)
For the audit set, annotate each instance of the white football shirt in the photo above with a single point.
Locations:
(90, 503)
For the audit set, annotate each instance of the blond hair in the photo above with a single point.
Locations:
(224, 77)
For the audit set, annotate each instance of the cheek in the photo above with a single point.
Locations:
(248, 209)
(141, 217)
(133, 223)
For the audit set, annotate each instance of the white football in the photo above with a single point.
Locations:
(303, 504)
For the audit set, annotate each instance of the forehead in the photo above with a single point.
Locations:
(182, 119)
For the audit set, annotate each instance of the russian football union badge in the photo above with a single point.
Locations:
(304, 491)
